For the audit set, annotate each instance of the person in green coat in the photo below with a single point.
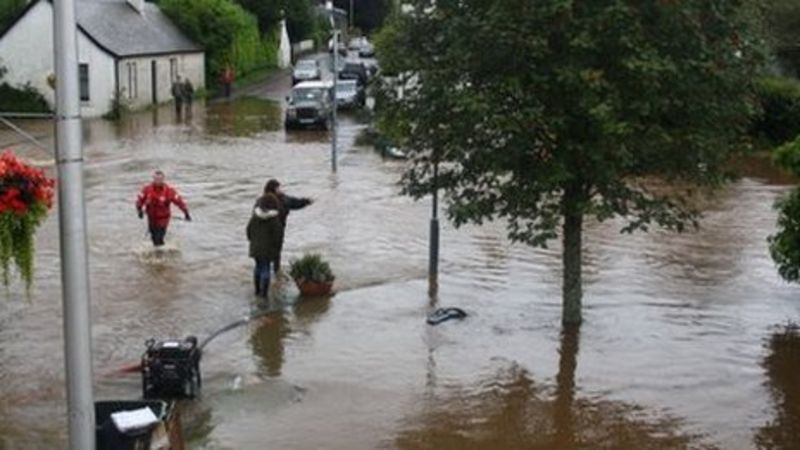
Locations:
(265, 233)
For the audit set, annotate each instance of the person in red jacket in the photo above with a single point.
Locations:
(156, 199)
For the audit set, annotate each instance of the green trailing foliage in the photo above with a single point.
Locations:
(784, 245)
(311, 267)
(779, 118)
(542, 116)
(16, 242)
(227, 32)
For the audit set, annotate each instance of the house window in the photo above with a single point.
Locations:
(83, 79)
(173, 69)
(133, 82)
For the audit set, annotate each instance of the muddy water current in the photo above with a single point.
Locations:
(685, 341)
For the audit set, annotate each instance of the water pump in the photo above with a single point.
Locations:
(171, 369)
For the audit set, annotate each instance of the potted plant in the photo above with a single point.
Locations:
(312, 275)
(26, 195)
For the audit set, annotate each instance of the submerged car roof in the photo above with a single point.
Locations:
(313, 85)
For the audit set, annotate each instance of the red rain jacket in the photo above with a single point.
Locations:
(156, 201)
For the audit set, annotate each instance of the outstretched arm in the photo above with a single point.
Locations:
(290, 202)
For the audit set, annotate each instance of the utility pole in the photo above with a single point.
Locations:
(72, 231)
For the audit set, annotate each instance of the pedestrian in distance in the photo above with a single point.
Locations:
(265, 234)
(155, 200)
(286, 203)
(188, 95)
(178, 95)
(227, 79)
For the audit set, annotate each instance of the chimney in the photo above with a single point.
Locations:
(138, 5)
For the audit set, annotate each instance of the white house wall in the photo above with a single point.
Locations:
(138, 92)
(26, 51)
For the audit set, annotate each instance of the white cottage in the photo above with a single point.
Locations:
(128, 47)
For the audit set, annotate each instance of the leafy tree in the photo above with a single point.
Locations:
(783, 28)
(785, 244)
(228, 33)
(368, 14)
(299, 17)
(542, 115)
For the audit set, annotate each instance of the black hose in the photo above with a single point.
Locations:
(243, 321)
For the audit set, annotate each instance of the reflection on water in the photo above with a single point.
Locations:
(267, 341)
(507, 409)
(246, 116)
(782, 365)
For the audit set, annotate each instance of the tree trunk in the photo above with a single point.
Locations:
(572, 290)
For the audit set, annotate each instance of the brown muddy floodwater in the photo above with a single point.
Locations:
(685, 343)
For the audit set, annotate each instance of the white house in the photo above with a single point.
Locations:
(128, 47)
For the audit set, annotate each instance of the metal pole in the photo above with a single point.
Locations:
(72, 224)
(333, 114)
(351, 15)
(433, 257)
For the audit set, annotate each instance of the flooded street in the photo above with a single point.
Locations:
(683, 346)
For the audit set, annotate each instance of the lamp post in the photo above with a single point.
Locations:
(433, 255)
(333, 94)
(352, 13)
(72, 231)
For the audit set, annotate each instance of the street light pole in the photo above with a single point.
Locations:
(333, 113)
(72, 231)
(433, 256)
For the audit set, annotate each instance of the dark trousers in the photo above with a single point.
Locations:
(261, 276)
(157, 235)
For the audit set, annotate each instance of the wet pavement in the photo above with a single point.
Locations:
(684, 344)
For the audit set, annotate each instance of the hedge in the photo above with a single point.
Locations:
(227, 32)
(779, 118)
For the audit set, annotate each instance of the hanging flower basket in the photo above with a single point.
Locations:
(26, 195)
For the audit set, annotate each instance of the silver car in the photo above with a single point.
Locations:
(349, 94)
(305, 70)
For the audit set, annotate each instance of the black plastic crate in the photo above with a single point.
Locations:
(110, 438)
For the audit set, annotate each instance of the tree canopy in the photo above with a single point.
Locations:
(228, 33)
(9, 10)
(368, 14)
(544, 115)
(299, 16)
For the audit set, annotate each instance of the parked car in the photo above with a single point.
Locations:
(309, 104)
(366, 50)
(354, 70)
(306, 70)
(349, 94)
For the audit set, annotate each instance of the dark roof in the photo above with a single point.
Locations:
(118, 28)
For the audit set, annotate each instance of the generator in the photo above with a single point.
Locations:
(171, 369)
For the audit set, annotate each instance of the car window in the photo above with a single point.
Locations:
(307, 94)
(306, 65)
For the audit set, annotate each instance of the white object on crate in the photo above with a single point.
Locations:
(136, 419)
